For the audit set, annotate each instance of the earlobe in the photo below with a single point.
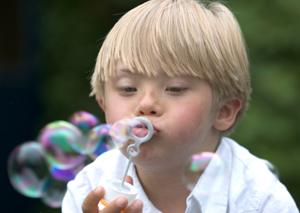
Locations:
(101, 102)
(227, 114)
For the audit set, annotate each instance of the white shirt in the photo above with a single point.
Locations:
(242, 184)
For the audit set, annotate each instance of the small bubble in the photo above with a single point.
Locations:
(119, 132)
(197, 166)
(84, 121)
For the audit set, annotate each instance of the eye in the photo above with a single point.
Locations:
(128, 89)
(175, 89)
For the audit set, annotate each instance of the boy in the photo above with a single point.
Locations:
(182, 65)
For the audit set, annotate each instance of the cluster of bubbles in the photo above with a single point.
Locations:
(42, 168)
(198, 164)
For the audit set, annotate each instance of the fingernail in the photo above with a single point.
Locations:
(138, 204)
(121, 201)
(98, 190)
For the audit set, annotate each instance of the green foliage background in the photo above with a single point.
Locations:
(72, 33)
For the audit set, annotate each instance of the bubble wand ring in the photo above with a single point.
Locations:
(137, 141)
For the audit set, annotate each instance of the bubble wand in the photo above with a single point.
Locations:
(137, 142)
(114, 187)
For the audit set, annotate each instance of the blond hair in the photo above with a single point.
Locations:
(187, 38)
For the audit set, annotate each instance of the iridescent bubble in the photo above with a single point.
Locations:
(27, 169)
(55, 193)
(66, 174)
(84, 120)
(100, 135)
(197, 165)
(56, 139)
(119, 132)
(272, 168)
(93, 140)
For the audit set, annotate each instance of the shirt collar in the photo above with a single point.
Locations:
(212, 189)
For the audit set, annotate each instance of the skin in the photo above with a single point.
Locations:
(181, 111)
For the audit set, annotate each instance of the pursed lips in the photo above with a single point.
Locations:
(142, 131)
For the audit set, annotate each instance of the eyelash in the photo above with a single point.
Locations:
(176, 89)
(128, 89)
(169, 89)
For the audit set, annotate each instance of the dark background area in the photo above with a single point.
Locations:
(48, 51)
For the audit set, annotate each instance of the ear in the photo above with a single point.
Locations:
(227, 114)
(101, 102)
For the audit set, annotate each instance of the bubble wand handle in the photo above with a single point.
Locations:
(133, 150)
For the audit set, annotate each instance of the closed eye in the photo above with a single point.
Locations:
(175, 89)
(127, 89)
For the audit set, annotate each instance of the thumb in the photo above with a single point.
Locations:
(90, 203)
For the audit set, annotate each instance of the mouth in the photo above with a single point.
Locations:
(142, 130)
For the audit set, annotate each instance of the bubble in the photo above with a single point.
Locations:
(55, 193)
(65, 174)
(272, 168)
(95, 139)
(209, 163)
(99, 136)
(84, 121)
(27, 169)
(56, 139)
(119, 131)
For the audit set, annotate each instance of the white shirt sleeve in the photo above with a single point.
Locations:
(278, 199)
(79, 188)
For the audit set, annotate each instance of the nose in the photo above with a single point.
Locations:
(149, 104)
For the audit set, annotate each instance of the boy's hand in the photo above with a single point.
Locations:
(90, 203)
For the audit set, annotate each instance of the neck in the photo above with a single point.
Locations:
(164, 189)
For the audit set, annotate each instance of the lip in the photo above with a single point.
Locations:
(143, 131)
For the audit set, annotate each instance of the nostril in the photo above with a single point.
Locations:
(152, 112)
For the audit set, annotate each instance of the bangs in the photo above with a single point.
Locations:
(164, 31)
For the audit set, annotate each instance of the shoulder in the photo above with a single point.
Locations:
(108, 162)
(252, 186)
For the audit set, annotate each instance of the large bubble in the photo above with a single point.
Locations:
(27, 169)
(56, 139)
(84, 121)
(197, 166)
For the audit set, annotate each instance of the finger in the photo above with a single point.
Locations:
(129, 179)
(135, 207)
(116, 206)
(90, 203)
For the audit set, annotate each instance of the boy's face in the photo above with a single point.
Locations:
(179, 108)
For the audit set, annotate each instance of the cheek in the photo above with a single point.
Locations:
(116, 110)
(191, 120)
